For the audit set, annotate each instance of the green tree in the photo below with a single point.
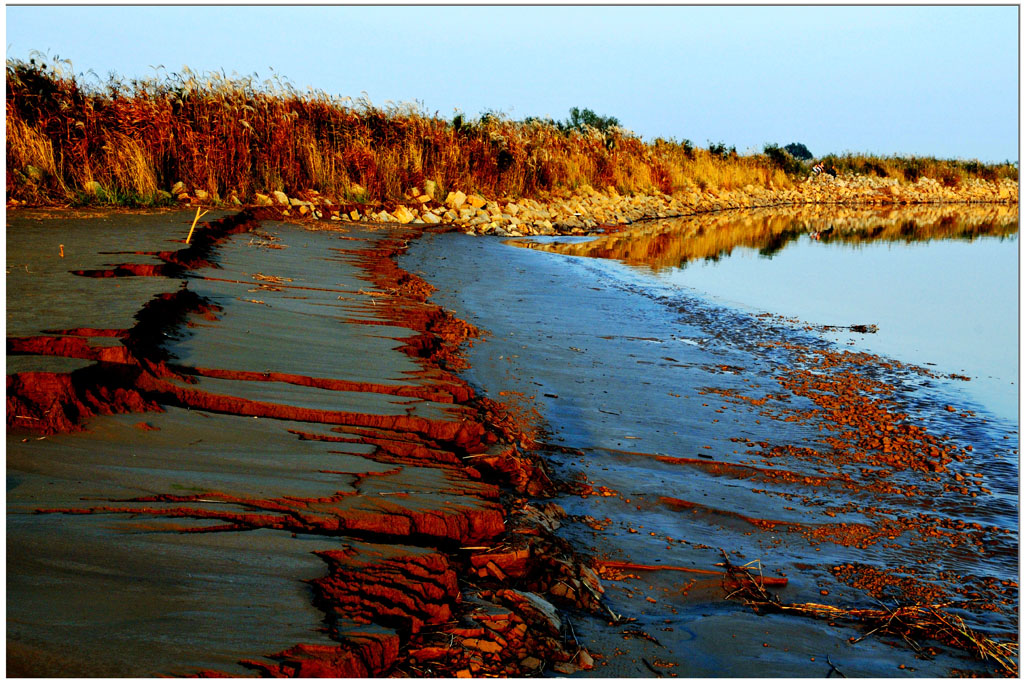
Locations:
(579, 118)
(799, 151)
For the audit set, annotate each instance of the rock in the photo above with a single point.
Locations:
(279, 197)
(476, 201)
(402, 214)
(163, 196)
(35, 173)
(92, 187)
(455, 200)
(430, 188)
(354, 215)
(263, 200)
(431, 217)
(178, 188)
(530, 663)
(201, 195)
(512, 209)
(235, 201)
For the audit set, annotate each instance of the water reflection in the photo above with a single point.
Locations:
(934, 284)
(676, 242)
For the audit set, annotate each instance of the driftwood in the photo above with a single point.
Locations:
(910, 623)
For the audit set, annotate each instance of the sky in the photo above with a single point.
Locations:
(889, 80)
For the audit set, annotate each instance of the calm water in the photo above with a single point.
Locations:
(950, 304)
(942, 288)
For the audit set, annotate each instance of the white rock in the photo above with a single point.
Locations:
(455, 200)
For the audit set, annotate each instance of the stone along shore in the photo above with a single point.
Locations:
(588, 210)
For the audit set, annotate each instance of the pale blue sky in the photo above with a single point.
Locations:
(936, 80)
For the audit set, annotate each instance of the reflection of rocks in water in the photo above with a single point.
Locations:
(675, 242)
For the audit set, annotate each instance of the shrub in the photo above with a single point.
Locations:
(782, 159)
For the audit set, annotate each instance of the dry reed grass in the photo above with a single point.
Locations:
(235, 135)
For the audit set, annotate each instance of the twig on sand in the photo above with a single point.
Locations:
(832, 668)
(194, 222)
(907, 622)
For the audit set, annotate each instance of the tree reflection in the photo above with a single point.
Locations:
(676, 242)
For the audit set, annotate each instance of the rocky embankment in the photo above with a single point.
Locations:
(589, 209)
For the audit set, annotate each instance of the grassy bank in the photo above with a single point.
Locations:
(129, 142)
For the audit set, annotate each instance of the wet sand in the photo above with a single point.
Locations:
(331, 489)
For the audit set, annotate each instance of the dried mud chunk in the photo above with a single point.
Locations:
(534, 609)
(513, 563)
(50, 403)
(530, 663)
(406, 591)
(540, 518)
(360, 655)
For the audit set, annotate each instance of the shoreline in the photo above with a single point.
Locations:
(590, 210)
(535, 563)
(818, 473)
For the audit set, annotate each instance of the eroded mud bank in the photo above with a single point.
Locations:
(295, 385)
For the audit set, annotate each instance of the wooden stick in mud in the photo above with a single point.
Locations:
(624, 565)
(194, 222)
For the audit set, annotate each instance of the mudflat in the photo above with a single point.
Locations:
(261, 405)
(280, 450)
